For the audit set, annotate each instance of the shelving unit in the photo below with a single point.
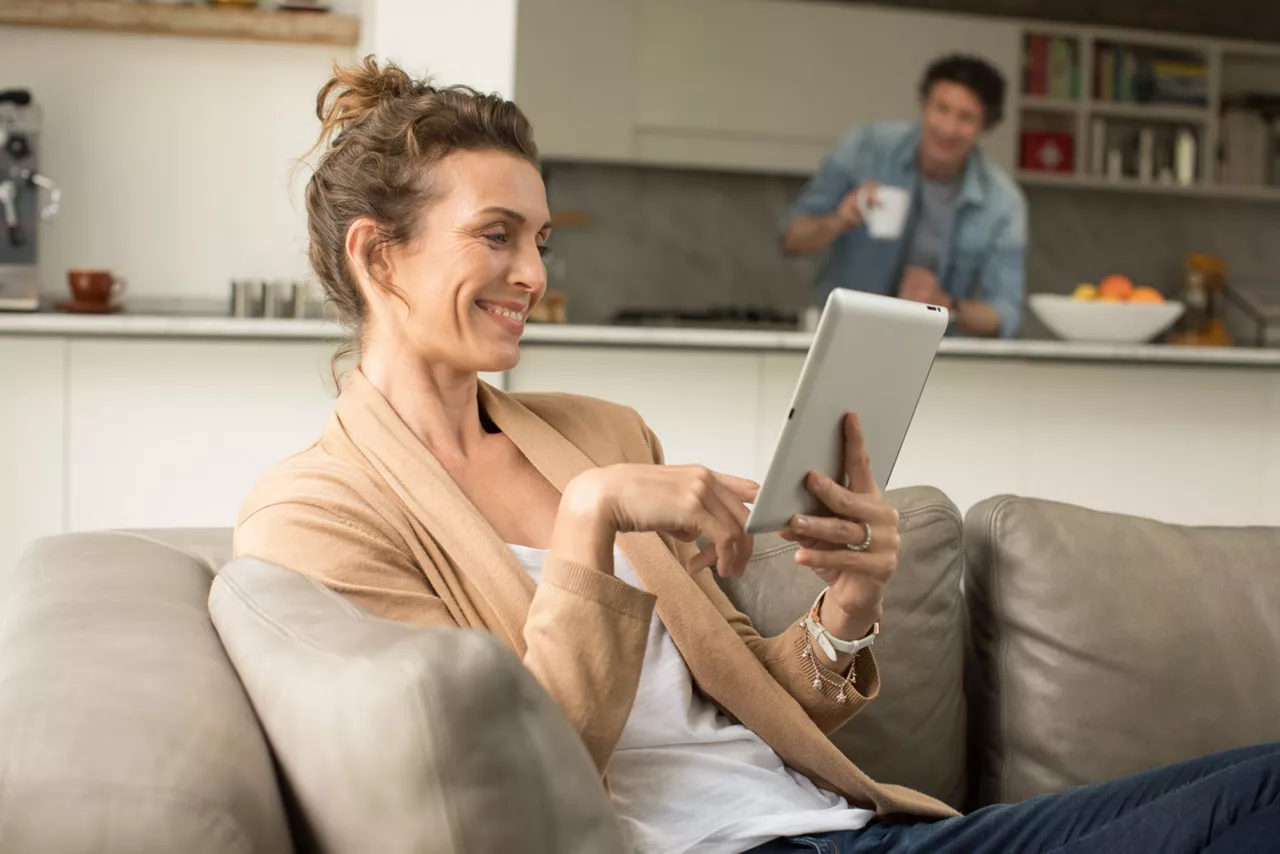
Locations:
(1202, 191)
(195, 19)
(1151, 112)
(1117, 103)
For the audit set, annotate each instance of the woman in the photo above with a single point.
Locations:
(551, 521)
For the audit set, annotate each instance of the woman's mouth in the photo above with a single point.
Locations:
(511, 318)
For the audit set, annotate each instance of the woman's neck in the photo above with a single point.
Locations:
(438, 404)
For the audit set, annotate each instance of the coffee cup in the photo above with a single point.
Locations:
(98, 287)
(884, 210)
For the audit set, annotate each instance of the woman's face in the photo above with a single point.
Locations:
(476, 269)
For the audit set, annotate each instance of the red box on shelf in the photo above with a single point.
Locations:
(1047, 151)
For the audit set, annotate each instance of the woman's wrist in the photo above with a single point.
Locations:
(584, 530)
(844, 625)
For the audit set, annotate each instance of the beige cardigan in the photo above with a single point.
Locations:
(370, 512)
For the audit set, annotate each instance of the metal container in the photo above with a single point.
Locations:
(246, 298)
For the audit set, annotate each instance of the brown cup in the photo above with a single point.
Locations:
(95, 286)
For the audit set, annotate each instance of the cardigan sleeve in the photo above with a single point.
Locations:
(585, 633)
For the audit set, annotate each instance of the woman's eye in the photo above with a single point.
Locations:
(496, 238)
(544, 251)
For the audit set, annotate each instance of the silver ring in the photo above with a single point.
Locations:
(862, 546)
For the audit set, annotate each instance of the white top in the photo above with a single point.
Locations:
(687, 779)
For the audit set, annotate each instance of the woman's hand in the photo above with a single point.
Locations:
(855, 579)
(683, 501)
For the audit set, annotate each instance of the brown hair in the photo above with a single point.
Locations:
(385, 130)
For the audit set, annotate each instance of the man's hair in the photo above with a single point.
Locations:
(976, 75)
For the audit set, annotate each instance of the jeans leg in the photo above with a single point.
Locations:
(1180, 808)
(1260, 831)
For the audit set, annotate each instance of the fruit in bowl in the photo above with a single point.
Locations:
(1114, 310)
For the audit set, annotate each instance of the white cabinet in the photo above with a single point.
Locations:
(31, 442)
(574, 76)
(1187, 445)
(748, 84)
(702, 405)
(175, 433)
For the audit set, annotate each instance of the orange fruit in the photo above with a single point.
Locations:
(1117, 286)
(1146, 294)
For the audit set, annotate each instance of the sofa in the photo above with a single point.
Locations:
(156, 698)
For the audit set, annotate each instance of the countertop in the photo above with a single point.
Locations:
(213, 326)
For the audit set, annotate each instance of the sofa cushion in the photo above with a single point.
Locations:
(913, 734)
(1107, 644)
(123, 727)
(393, 738)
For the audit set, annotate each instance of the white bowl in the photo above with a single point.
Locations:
(1090, 320)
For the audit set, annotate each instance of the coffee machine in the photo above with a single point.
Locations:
(26, 199)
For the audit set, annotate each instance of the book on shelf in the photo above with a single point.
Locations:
(1051, 66)
(1128, 74)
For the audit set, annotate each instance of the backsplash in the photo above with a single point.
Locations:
(686, 238)
(672, 238)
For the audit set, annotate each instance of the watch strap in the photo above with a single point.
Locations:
(829, 643)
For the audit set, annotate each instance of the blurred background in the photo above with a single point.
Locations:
(150, 151)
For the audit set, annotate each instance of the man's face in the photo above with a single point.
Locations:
(953, 120)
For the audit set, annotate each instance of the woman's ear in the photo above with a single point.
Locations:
(366, 257)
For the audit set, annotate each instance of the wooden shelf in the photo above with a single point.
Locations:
(1130, 185)
(183, 20)
(1150, 112)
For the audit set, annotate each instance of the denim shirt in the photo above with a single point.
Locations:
(982, 258)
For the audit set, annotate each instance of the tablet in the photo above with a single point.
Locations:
(871, 355)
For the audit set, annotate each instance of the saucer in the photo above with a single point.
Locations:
(77, 307)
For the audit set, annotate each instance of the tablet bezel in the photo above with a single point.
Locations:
(780, 497)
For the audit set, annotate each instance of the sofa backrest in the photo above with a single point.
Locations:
(123, 726)
(1105, 644)
(914, 732)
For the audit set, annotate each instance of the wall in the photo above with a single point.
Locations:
(175, 156)
(692, 238)
(1246, 19)
(1079, 236)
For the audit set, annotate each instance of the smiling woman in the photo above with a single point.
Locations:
(427, 197)
(551, 521)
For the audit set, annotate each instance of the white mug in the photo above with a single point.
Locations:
(886, 220)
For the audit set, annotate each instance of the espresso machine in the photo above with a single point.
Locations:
(27, 198)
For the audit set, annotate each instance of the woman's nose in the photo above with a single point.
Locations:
(531, 271)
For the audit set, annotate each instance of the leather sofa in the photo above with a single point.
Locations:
(152, 700)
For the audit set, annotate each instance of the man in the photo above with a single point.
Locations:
(966, 235)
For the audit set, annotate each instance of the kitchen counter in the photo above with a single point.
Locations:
(213, 326)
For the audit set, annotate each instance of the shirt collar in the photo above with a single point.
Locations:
(973, 185)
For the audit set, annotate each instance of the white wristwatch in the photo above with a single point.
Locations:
(829, 643)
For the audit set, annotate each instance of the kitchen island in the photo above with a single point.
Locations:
(136, 420)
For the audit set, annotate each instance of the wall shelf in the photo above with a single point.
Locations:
(1031, 178)
(1150, 112)
(1049, 105)
(183, 20)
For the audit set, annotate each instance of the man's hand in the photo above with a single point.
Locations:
(848, 212)
(921, 285)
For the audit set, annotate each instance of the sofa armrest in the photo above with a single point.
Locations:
(394, 738)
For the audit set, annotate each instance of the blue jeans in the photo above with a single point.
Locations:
(1225, 803)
